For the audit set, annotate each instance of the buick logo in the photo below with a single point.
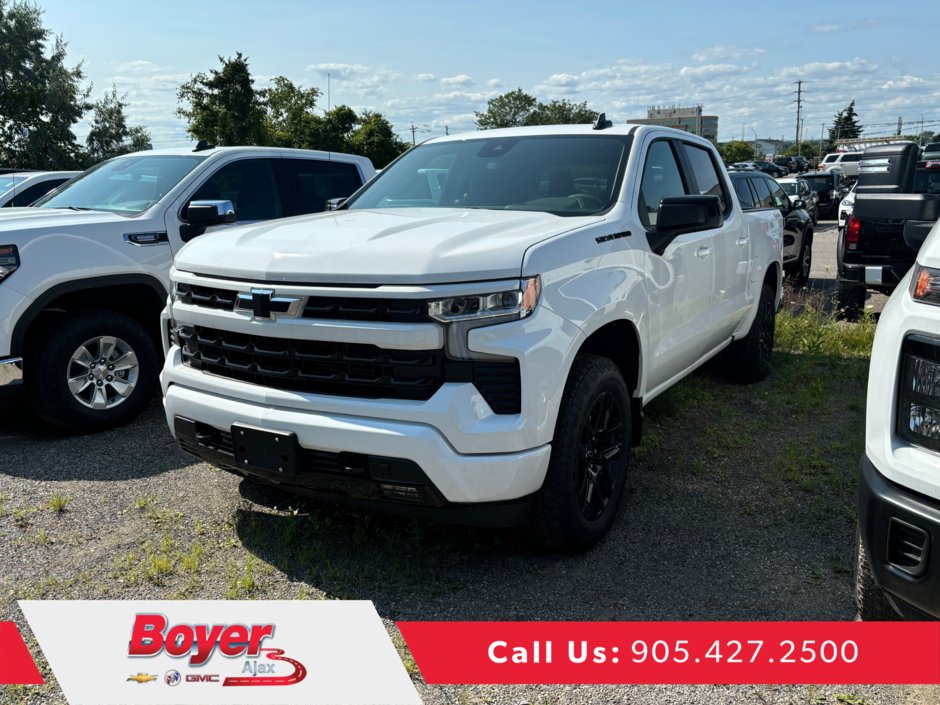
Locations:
(264, 304)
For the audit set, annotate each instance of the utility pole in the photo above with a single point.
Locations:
(822, 130)
(799, 108)
(799, 134)
(446, 130)
(900, 125)
(413, 143)
(742, 131)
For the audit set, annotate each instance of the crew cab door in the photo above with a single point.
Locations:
(248, 183)
(731, 246)
(680, 276)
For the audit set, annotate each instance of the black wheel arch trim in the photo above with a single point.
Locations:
(41, 303)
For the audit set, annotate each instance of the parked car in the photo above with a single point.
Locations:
(847, 161)
(481, 350)
(24, 189)
(743, 166)
(897, 562)
(761, 192)
(771, 168)
(830, 186)
(845, 207)
(931, 151)
(84, 274)
(803, 196)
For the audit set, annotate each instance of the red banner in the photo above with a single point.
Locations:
(675, 652)
(16, 665)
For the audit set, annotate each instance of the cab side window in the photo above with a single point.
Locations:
(661, 177)
(744, 194)
(249, 185)
(706, 174)
(307, 184)
(762, 193)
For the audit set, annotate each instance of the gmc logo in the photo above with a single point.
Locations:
(202, 678)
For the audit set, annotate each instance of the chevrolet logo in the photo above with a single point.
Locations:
(264, 304)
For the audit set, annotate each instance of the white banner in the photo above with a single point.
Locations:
(220, 652)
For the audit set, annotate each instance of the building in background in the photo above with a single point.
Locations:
(687, 119)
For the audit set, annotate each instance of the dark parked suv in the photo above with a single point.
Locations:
(756, 191)
(831, 188)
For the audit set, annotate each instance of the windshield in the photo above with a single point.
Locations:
(789, 187)
(8, 180)
(566, 175)
(125, 185)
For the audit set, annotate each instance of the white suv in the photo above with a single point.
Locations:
(85, 274)
(897, 563)
(847, 161)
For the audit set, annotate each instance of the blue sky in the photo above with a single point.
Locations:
(434, 64)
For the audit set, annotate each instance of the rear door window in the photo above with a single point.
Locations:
(744, 194)
(762, 193)
(707, 181)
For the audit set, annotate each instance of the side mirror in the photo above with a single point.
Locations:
(799, 203)
(684, 214)
(201, 214)
(334, 204)
(206, 213)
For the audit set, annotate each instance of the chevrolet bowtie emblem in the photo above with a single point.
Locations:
(142, 678)
(264, 304)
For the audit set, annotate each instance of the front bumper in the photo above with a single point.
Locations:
(895, 521)
(452, 477)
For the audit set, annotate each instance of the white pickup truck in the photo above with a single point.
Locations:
(85, 274)
(474, 334)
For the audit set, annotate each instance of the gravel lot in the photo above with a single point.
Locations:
(740, 506)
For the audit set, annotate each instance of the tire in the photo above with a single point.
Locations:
(850, 300)
(578, 501)
(872, 602)
(73, 392)
(799, 275)
(748, 360)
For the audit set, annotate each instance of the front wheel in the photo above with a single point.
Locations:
(97, 372)
(804, 262)
(590, 455)
(748, 360)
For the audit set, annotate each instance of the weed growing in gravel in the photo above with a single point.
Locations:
(58, 503)
(808, 324)
(158, 515)
(3, 505)
(241, 580)
(21, 516)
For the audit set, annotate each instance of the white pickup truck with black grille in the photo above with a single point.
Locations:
(85, 273)
(473, 334)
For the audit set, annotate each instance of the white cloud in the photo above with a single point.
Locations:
(140, 66)
(495, 83)
(904, 83)
(720, 53)
(425, 77)
(459, 80)
(712, 70)
(827, 28)
(344, 71)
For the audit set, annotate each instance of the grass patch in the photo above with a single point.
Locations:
(808, 324)
(58, 503)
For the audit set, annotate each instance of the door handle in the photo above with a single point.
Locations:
(703, 252)
(742, 241)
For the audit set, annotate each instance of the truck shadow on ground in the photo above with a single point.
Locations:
(730, 513)
(30, 449)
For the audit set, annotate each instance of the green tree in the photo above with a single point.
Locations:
(375, 139)
(561, 112)
(805, 149)
(333, 129)
(290, 118)
(844, 126)
(736, 151)
(41, 99)
(109, 135)
(223, 107)
(510, 109)
(517, 108)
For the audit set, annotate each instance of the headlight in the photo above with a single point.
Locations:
(505, 305)
(919, 392)
(925, 285)
(461, 314)
(9, 260)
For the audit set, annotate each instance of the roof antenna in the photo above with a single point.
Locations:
(602, 123)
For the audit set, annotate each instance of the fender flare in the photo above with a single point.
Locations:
(41, 302)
